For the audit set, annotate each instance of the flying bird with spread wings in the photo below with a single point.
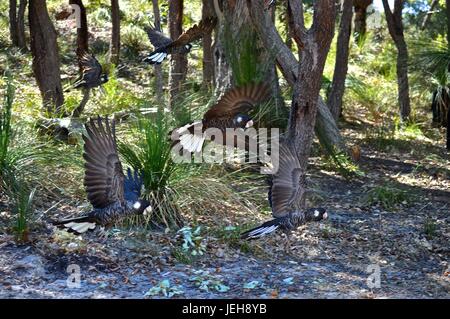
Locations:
(91, 70)
(92, 74)
(165, 46)
(283, 194)
(113, 195)
(231, 111)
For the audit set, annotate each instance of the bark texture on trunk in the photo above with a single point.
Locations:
(178, 62)
(222, 70)
(316, 43)
(82, 31)
(44, 49)
(326, 128)
(341, 66)
(395, 26)
(17, 23)
(114, 48)
(447, 9)
(208, 59)
(159, 82)
(361, 18)
(13, 22)
(21, 41)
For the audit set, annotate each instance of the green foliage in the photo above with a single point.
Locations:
(132, 39)
(5, 122)
(22, 200)
(166, 289)
(208, 282)
(430, 228)
(150, 155)
(341, 162)
(387, 197)
(245, 58)
(13, 160)
(432, 60)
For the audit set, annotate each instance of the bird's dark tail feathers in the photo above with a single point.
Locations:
(264, 229)
(76, 225)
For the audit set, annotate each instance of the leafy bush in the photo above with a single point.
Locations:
(151, 156)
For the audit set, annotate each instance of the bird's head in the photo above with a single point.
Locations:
(142, 206)
(316, 214)
(104, 78)
(242, 121)
(188, 47)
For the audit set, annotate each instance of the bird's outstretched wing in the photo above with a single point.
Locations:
(132, 185)
(90, 68)
(104, 178)
(196, 32)
(238, 100)
(285, 183)
(157, 38)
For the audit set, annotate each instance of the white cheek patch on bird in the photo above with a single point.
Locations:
(316, 213)
(249, 124)
(137, 205)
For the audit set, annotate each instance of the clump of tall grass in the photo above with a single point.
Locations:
(151, 156)
(12, 161)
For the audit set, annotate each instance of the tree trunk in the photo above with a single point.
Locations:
(178, 63)
(395, 26)
(316, 44)
(82, 30)
(80, 108)
(429, 13)
(360, 18)
(222, 70)
(341, 66)
(114, 48)
(447, 9)
(44, 49)
(326, 128)
(21, 41)
(208, 59)
(157, 67)
(13, 22)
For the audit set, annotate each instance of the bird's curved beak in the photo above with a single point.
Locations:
(325, 215)
(249, 124)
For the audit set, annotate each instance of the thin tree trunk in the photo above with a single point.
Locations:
(447, 9)
(158, 68)
(21, 41)
(222, 70)
(82, 31)
(428, 14)
(178, 63)
(360, 18)
(326, 128)
(208, 59)
(395, 25)
(341, 66)
(80, 108)
(44, 49)
(316, 44)
(13, 22)
(114, 49)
